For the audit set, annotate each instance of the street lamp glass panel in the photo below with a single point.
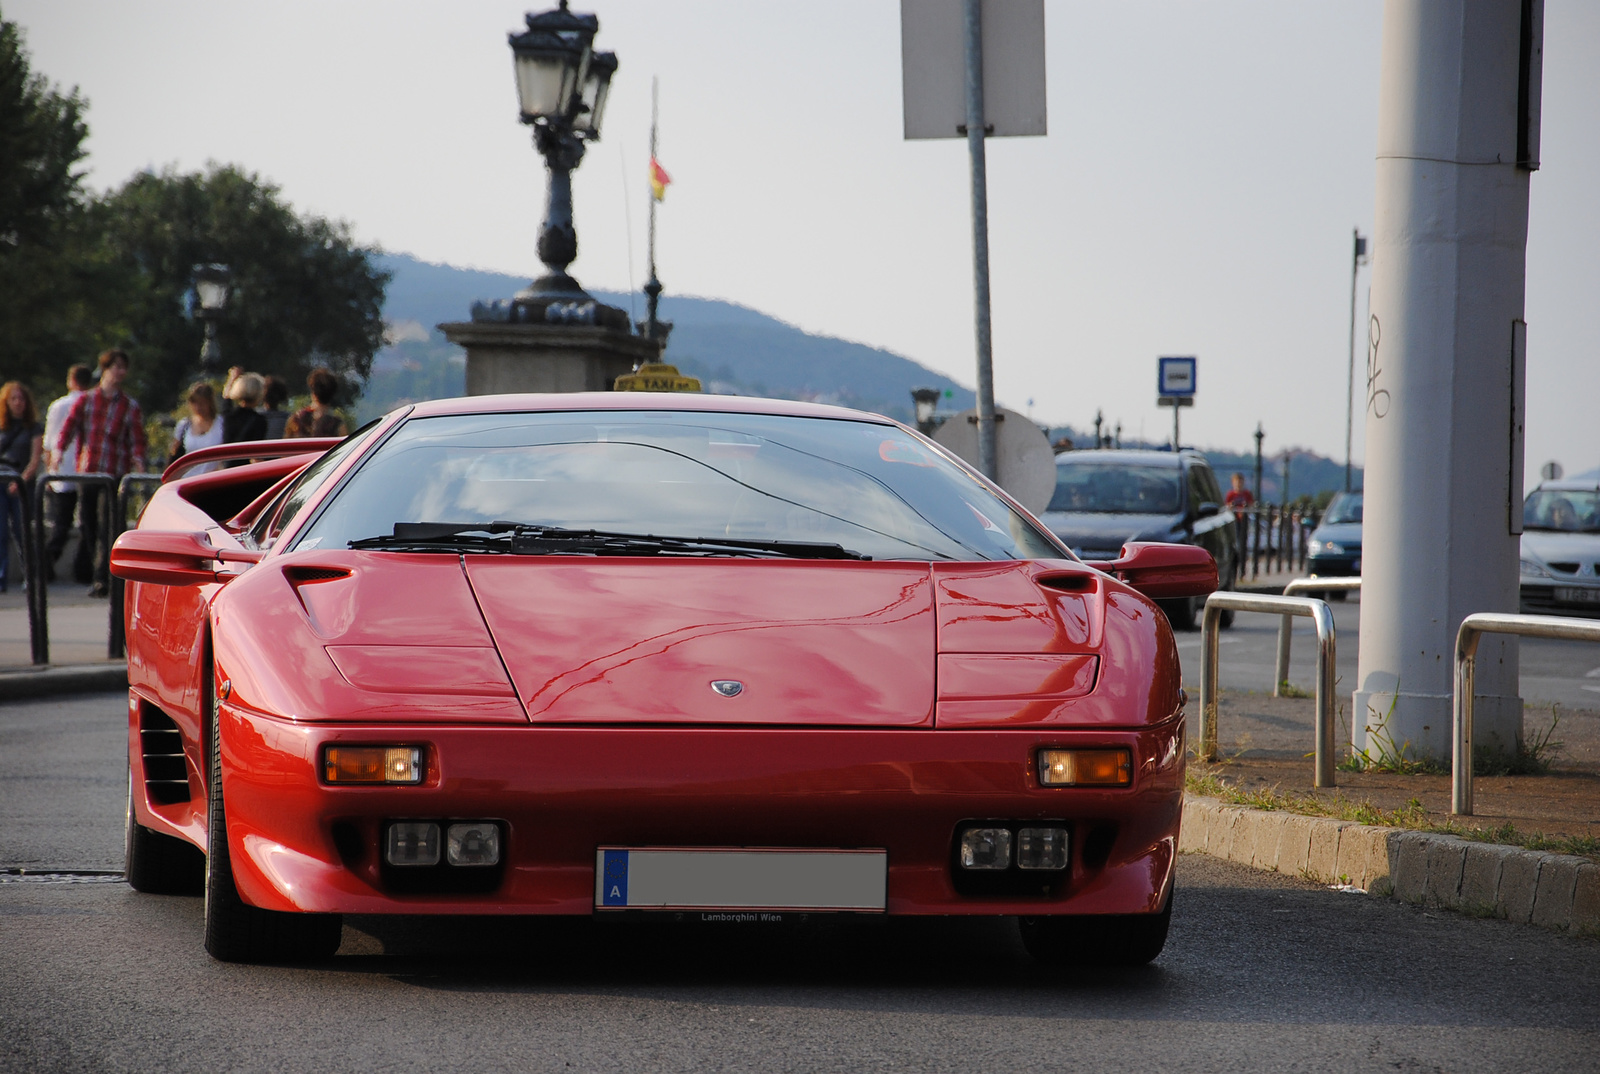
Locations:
(596, 88)
(926, 401)
(213, 294)
(546, 77)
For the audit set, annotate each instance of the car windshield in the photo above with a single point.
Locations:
(1116, 488)
(1572, 510)
(1346, 507)
(872, 489)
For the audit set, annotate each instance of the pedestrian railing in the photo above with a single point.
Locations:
(130, 487)
(1320, 614)
(1286, 626)
(1473, 627)
(1272, 538)
(30, 568)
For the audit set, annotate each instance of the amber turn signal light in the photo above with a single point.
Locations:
(1085, 768)
(372, 764)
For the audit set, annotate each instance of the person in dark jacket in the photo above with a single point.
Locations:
(243, 421)
(318, 419)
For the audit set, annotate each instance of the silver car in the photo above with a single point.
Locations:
(1561, 548)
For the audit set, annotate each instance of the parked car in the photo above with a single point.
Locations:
(1561, 548)
(596, 653)
(1334, 550)
(1104, 499)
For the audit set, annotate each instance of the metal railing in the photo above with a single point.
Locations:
(112, 521)
(30, 566)
(1272, 537)
(1473, 627)
(1319, 613)
(127, 488)
(1280, 673)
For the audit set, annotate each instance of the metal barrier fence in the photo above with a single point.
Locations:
(30, 569)
(1473, 627)
(1280, 673)
(1273, 538)
(112, 521)
(1319, 613)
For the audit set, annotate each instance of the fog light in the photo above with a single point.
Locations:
(1041, 848)
(372, 764)
(413, 842)
(477, 843)
(986, 848)
(1079, 768)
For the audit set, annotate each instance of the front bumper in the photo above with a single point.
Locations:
(1560, 596)
(1333, 566)
(559, 793)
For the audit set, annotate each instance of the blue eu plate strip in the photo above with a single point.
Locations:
(615, 892)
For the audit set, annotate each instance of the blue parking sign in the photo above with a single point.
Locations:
(1175, 376)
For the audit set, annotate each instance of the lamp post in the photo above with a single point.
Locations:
(212, 284)
(1358, 257)
(925, 402)
(1259, 434)
(562, 84)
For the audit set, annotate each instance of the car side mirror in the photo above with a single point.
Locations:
(1207, 510)
(1164, 571)
(168, 557)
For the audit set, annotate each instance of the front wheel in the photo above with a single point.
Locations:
(235, 930)
(1098, 940)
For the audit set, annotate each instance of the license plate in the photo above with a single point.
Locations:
(1567, 595)
(739, 878)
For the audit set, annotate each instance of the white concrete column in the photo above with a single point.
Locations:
(1458, 107)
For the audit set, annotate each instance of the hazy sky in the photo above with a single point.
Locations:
(1205, 165)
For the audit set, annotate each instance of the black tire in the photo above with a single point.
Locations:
(159, 864)
(235, 930)
(1180, 612)
(1097, 940)
(1225, 617)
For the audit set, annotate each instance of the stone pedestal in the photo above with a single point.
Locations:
(508, 357)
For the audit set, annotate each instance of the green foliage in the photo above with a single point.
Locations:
(1383, 754)
(80, 273)
(49, 282)
(304, 293)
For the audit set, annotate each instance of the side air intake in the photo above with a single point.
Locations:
(166, 776)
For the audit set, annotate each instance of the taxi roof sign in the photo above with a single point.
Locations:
(657, 377)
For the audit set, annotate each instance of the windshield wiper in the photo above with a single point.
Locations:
(529, 540)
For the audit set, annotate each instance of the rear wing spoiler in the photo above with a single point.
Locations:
(248, 449)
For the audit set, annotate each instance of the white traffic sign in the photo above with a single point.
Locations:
(933, 70)
(1175, 376)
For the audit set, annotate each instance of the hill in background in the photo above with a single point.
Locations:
(733, 349)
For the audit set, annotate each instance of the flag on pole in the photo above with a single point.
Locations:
(658, 180)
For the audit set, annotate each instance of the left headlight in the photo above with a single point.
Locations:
(1325, 548)
(1530, 569)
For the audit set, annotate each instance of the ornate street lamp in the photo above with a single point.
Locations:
(212, 284)
(926, 404)
(562, 85)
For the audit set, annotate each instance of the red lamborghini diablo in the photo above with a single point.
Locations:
(610, 654)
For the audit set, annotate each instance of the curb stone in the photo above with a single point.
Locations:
(68, 679)
(1552, 891)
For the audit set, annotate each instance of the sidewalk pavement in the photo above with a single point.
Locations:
(79, 629)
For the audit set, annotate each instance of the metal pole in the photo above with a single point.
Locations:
(1350, 389)
(1209, 651)
(652, 287)
(1176, 410)
(987, 462)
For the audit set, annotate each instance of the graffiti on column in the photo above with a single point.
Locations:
(1377, 397)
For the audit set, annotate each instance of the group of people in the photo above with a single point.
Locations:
(97, 428)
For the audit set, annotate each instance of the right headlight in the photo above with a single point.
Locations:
(1325, 548)
(1530, 569)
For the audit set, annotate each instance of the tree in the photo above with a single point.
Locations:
(46, 272)
(305, 294)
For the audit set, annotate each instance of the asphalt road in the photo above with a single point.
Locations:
(1262, 973)
(1553, 672)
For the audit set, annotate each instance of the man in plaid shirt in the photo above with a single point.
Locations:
(109, 428)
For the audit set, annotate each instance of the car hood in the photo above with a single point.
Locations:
(1096, 531)
(642, 640)
(1559, 546)
(1345, 533)
(329, 635)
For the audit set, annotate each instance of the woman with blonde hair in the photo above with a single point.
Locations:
(21, 445)
(201, 428)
